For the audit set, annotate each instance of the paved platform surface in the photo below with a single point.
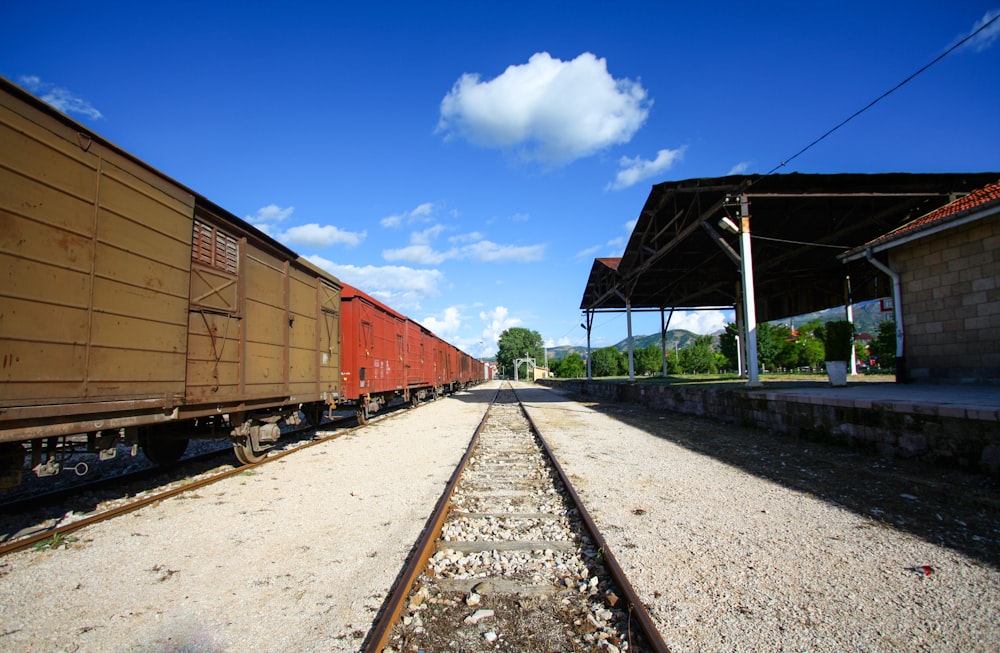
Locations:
(978, 402)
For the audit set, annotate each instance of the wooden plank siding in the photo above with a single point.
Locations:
(93, 249)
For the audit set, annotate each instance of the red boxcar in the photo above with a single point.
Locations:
(372, 346)
(386, 355)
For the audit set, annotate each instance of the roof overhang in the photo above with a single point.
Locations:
(677, 257)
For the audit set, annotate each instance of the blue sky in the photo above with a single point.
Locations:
(465, 162)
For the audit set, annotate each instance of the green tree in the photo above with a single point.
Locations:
(674, 363)
(884, 345)
(514, 343)
(811, 351)
(649, 360)
(700, 357)
(728, 347)
(571, 367)
(605, 362)
(770, 340)
(810, 346)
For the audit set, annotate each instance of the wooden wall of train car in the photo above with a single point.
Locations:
(131, 301)
(418, 355)
(263, 324)
(372, 341)
(95, 251)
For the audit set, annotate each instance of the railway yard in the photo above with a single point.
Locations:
(731, 539)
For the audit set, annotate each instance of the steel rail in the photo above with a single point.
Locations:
(378, 637)
(31, 540)
(637, 608)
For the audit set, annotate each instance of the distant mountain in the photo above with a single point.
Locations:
(676, 338)
(867, 316)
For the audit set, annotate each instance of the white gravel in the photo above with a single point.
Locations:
(299, 555)
(727, 561)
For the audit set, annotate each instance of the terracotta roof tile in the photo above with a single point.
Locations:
(976, 198)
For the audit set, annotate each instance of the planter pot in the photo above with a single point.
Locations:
(837, 371)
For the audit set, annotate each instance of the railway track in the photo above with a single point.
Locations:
(511, 560)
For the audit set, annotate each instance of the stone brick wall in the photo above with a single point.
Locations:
(951, 303)
(942, 435)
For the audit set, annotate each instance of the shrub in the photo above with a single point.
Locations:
(838, 339)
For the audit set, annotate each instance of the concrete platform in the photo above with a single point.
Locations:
(948, 425)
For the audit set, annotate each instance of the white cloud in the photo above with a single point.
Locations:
(632, 171)
(613, 247)
(421, 253)
(740, 168)
(447, 325)
(472, 236)
(420, 212)
(701, 322)
(59, 98)
(269, 214)
(312, 234)
(988, 36)
(403, 288)
(497, 321)
(321, 236)
(487, 251)
(427, 235)
(417, 254)
(554, 111)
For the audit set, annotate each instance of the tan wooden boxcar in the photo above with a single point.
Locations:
(132, 308)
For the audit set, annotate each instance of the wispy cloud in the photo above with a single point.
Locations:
(403, 288)
(316, 235)
(476, 247)
(549, 110)
(740, 168)
(988, 36)
(633, 170)
(269, 214)
(312, 234)
(60, 98)
(612, 247)
(421, 212)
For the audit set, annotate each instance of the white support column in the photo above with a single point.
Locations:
(853, 369)
(749, 303)
(631, 365)
(663, 339)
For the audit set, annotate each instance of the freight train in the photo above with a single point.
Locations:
(133, 310)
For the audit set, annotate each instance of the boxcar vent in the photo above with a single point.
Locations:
(214, 247)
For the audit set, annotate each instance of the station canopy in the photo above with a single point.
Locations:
(676, 257)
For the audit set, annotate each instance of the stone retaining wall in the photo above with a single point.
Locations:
(941, 435)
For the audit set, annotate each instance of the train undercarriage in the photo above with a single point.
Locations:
(251, 432)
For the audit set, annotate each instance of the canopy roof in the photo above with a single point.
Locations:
(676, 256)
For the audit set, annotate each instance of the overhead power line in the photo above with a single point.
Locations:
(887, 93)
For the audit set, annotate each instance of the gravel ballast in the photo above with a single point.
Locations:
(730, 561)
(295, 555)
(299, 555)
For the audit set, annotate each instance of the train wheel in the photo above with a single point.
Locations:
(414, 400)
(163, 450)
(362, 415)
(246, 454)
(11, 464)
(314, 414)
